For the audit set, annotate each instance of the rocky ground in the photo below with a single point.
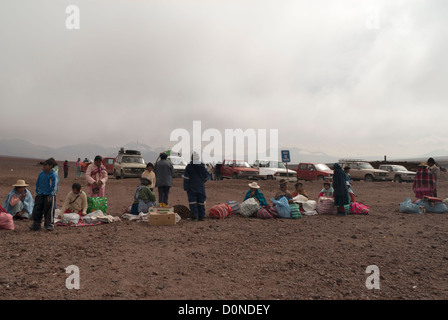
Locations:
(319, 257)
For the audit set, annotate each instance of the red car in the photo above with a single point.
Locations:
(314, 171)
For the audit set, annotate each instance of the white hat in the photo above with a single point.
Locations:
(20, 183)
(254, 185)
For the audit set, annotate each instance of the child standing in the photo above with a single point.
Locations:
(150, 175)
(44, 204)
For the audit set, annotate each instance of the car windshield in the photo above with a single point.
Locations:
(178, 161)
(400, 168)
(365, 165)
(133, 160)
(241, 164)
(322, 167)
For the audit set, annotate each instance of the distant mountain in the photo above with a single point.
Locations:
(25, 149)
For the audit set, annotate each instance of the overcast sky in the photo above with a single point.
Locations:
(348, 78)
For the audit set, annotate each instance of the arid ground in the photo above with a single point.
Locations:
(320, 257)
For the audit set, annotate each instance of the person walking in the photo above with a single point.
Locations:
(195, 177)
(78, 168)
(44, 203)
(164, 178)
(66, 166)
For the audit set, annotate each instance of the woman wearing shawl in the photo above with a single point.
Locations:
(19, 203)
(424, 184)
(96, 176)
(254, 192)
(341, 196)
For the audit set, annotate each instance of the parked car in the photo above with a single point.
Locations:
(236, 169)
(270, 170)
(108, 162)
(363, 170)
(129, 164)
(398, 173)
(314, 171)
(179, 165)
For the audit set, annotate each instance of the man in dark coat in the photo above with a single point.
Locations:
(164, 178)
(341, 196)
(195, 177)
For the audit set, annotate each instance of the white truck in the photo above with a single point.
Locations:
(271, 169)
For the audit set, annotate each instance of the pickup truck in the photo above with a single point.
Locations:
(270, 170)
(236, 169)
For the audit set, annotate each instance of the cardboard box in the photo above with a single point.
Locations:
(161, 209)
(161, 219)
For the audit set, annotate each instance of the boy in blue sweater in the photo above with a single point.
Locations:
(44, 203)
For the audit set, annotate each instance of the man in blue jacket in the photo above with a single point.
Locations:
(44, 203)
(195, 177)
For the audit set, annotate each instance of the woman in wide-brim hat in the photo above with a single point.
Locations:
(254, 192)
(19, 202)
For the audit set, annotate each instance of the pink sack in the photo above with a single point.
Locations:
(6, 221)
(326, 206)
(359, 208)
(220, 211)
(267, 212)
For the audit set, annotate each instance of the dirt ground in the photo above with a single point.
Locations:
(319, 257)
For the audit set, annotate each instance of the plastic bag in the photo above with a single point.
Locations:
(283, 208)
(408, 207)
(70, 218)
(438, 207)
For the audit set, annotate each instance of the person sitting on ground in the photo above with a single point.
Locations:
(19, 203)
(283, 192)
(150, 175)
(75, 201)
(424, 182)
(143, 197)
(299, 190)
(254, 192)
(327, 191)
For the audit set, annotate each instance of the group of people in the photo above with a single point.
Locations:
(21, 205)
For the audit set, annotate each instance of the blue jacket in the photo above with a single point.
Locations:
(47, 183)
(28, 202)
(195, 177)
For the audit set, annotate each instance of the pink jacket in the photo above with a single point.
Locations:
(93, 173)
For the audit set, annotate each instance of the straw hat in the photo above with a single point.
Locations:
(254, 185)
(20, 183)
(423, 164)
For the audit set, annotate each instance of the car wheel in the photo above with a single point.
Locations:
(398, 179)
(320, 178)
(117, 177)
(270, 177)
(368, 178)
(122, 174)
(235, 176)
